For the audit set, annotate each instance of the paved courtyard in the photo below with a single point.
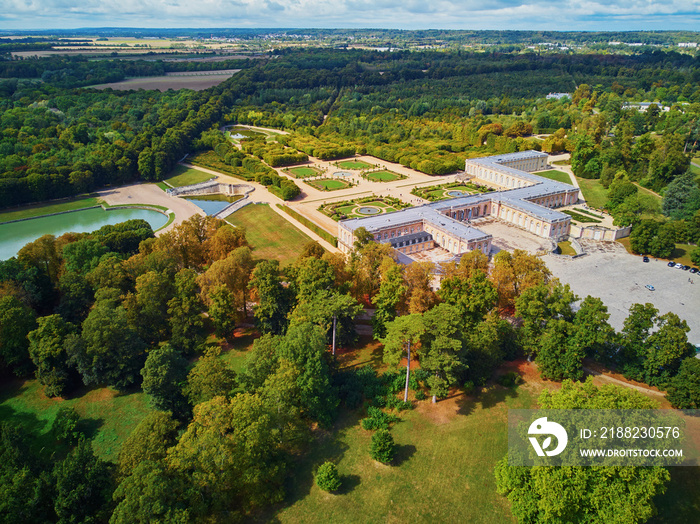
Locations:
(618, 278)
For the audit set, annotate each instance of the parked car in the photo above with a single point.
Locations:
(678, 266)
(693, 270)
(645, 259)
(671, 264)
(649, 287)
(685, 268)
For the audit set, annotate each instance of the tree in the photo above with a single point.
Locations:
(16, 321)
(225, 239)
(65, 425)
(591, 330)
(149, 441)
(163, 375)
(682, 197)
(327, 477)
(311, 276)
(402, 333)
(441, 348)
(209, 378)
(474, 295)
(420, 296)
(383, 447)
(333, 312)
(684, 388)
(273, 299)
(232, 272)
(312, 249)
(156, 494)
(392, 291)
(147, 308)
(185, 314)
(575, 494)
(83, 255)
(42, 254)
(222, 311)
(83, 486)
(514, 273)
(76, 297)
(559, 357)
(231, 454)
(113, 353)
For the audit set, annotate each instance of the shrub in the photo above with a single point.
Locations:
(383, 446)
(420, 395)
(377, 419)
(65, 425)
(327, 477)
(510, 379)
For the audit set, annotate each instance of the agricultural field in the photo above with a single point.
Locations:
(383, 176)
(362, 208)
(329, 184)
(302, 171)
(38, 210)
(353, 164)
(553, 174)
(163, 83)
(185, 176)
(269, 234)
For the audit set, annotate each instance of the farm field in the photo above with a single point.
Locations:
(270, 235)
(384, 176)
(185, 176)
(38, 210)
(163, 83)
(328, 184)
(553, 174)
(302, 171)
(353, 164)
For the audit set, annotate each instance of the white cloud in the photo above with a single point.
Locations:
(408, 14)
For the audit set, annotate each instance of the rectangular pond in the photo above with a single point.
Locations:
(212, 204)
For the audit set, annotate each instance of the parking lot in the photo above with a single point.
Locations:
(618, 278)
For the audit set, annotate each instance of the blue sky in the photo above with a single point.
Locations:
(399, 14)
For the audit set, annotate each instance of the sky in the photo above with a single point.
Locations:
(584, 15)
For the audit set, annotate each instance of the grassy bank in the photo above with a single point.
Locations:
(37, 210)
(593, 192)
(185, 176)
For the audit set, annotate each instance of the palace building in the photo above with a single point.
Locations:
(520, 198)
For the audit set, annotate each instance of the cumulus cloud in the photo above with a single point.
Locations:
(408, 14)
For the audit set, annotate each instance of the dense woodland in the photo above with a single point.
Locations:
(119, 307)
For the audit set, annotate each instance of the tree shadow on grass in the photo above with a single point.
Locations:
(496, 395)
(348, 483)
(403, 453)
(89, 426)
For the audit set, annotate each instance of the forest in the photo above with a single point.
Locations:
(120, 307)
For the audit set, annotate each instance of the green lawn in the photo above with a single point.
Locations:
(37, 210)
(185, 176)
(681, 254)
(384, 176)
(328, 184)
(593, 192)
(443, 471)
(270, 235)
(566, 248)
(695, 169)
(353, 164)
(302, 171)
(106, 414)
(553, 174)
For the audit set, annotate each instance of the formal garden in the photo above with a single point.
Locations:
(330, 184)
(382, 175)
(302, 171)
(362, 207)
(353, 164)
(449, 190)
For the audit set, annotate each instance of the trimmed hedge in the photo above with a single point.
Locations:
(325, 235)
